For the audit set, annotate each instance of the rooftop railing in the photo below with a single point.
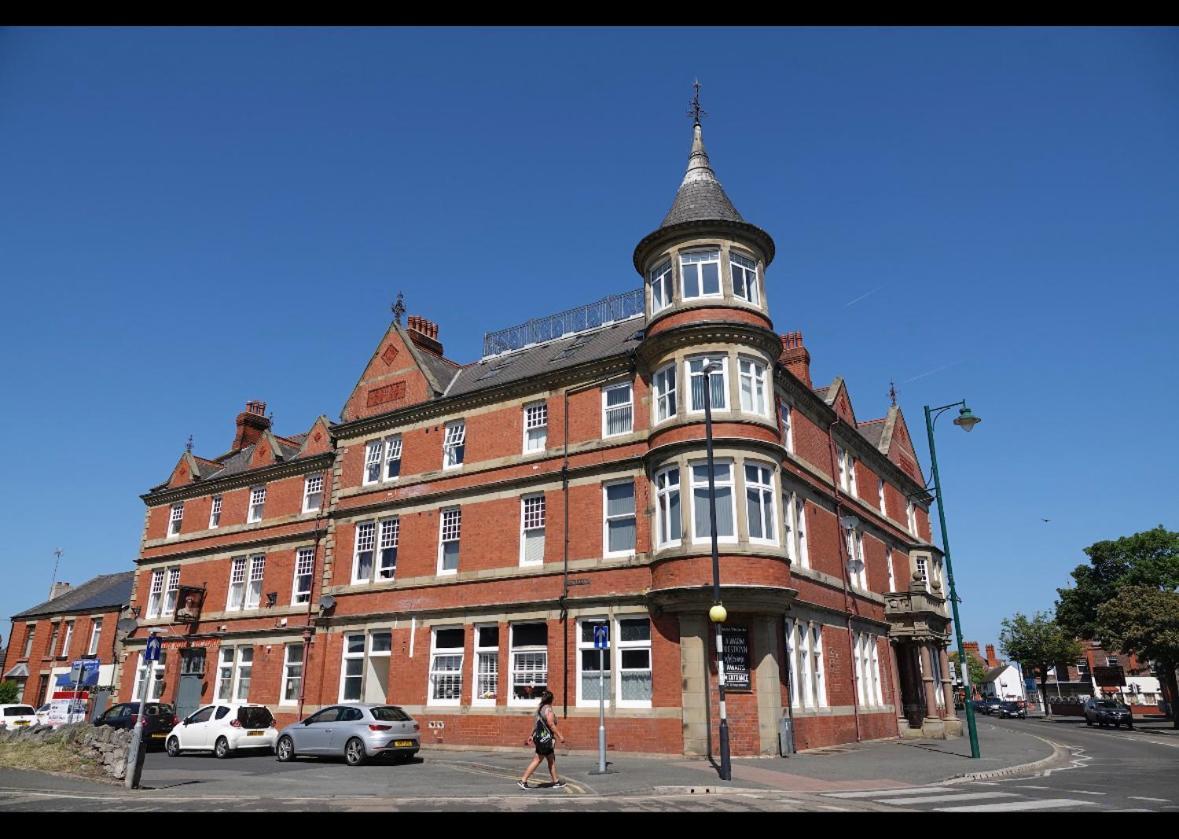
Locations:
(608, 310)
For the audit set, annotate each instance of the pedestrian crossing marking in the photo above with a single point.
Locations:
(874, 792)
(1012, 806)
(933, 799)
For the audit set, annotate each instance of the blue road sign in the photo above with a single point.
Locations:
(601, 637)
(152, 651)
(84, 671)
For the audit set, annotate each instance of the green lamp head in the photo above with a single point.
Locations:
(966, 420)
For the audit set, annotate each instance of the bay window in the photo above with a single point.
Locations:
(718, 380)
(668, 521)
(661, 287)
(700, 271)
(752, 384)
(744, 272)
(726, 514)
(759, 503)
(663, 383)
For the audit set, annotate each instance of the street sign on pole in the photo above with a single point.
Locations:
(601, 644)
(151, 652)
(136, 748)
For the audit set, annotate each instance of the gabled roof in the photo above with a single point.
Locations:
(570, 351)
(994, 672)
(106, 590)
(872, 430)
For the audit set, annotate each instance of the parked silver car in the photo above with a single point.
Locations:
(355, 731)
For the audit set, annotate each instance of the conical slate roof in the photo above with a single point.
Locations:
(701, 196)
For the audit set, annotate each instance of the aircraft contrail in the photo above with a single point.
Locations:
(931, 372)
(862, 296)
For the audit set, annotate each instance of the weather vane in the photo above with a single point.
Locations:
(399, 308)
(697, 112)
(892, 393)
(188, 445)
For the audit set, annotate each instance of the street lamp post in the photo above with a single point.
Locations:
(717, 613)
(966, 421)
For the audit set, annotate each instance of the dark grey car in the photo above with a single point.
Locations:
(353, 731)
(1106, 711)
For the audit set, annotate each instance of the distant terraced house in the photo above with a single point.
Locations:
(452, 542)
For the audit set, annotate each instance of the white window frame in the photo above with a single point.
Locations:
(393, 446)
(373, 462)
(230, 670)
(290, 678)
(701, 257)
(583, 645)
(257, 504)
(434, 672)
(313, 487)
(665, 488)
(254, 581)
(752, 372)
(815, 649)
(626, 409)
(854, 539)
(786, 412)
(450, 522)
(662, 284)
(525, 650)
(171, 591)
(796, 546)
(922, 569)
(30, 634)
(607, 518)
(389, 538)
(347, 655)
(746, 267)
(792, 662)
(767, 501)
(718, 484)
(454, 444)
(236, 597)
(65, 640)
(724, 377)
(859, 655)
(883, 498)
(215, 513)
(482, 653)
(95, 636)
(663, 384)
(157, 678)
(847, 471)
(874, 663)
(364, 540)
(176, 520)
(533, 509)
(911, 517)
(155, 593)
(619, 646)
(892, 582)
(536, 426)
(304, 568)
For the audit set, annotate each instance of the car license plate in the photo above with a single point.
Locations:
(22, 722)
(255, 734)
(159, 735)
(403, 744)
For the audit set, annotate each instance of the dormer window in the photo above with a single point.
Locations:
(701, 274)
(661, 287)
(744, 272)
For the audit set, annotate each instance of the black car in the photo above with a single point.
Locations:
(1012, 710)
(160, 717)
(1106, 711)
(987, 706)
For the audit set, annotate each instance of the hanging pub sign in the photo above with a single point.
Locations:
(735, 644)
(188, 604)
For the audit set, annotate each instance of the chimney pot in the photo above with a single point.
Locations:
(58, 589)
(251, 423)
(795, 357)
(424, 334)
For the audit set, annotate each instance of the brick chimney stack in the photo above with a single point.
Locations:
(250, 424)
(58, 590)
(424, 333)
(991, 660)
(795, 357)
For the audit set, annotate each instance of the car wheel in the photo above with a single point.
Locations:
(354, 752)
(285, 750)
(221, 749)
(172, 747)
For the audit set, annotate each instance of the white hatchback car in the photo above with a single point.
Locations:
(223, 728)
(18, 716)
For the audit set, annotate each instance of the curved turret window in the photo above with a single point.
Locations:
(744, 278)
(719, 380)
(701, 274)
(667, 509)
(661, 287)
(726, 513)
(664, 384)
(752, 378)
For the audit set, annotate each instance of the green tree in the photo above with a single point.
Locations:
(1149, 558)
(1038, 644)
(8, 692)
(978, 670)
(1144, 621)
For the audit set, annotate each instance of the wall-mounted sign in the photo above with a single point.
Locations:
(1109, 676)
(188, 604)
(735, 644)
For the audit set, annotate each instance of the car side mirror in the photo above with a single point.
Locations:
(307, 722)
(184, 723)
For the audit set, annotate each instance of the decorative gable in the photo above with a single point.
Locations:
(394, 378)
(838, 398)
(900, 449)
(183, 472)
(266, 451)
(318, 440)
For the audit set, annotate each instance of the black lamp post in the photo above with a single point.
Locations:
(717, 613)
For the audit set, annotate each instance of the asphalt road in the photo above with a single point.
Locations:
(1110, 770)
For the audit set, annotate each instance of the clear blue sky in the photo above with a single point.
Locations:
(190, 218)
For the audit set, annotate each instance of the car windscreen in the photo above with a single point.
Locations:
(1108, 704)
(159, 709)
(390, 713)
(19, 711)
(254, 716)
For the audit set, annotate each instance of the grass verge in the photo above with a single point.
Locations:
(50, 757)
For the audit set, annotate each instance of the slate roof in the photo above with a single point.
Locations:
(106, 590)
(994, 673)
(701, 196)
(569, 351)
(442, 369)
(872, 430)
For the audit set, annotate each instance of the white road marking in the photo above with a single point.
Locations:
(1148, 798)
(871, 793)
(1011, 806)
(1085, 792)
(1033, 786)
(935, 799)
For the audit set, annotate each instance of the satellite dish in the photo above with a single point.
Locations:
(327, 601)
(127, 625)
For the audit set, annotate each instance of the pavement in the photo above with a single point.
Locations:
(477, 779)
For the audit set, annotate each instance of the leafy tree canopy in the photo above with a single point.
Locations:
(8, 691)
(1144, 620)
(1038, 642)
(1149, 558)
(978, 669)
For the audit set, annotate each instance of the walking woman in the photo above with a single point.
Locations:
(542, 738)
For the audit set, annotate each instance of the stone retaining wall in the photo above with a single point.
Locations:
(104, 745)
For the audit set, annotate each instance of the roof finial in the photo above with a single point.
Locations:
(697, 112)
(188, 445)
(892, 393)
(399, 308)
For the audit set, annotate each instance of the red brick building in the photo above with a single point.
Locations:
(450, 545)
(74, 623)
